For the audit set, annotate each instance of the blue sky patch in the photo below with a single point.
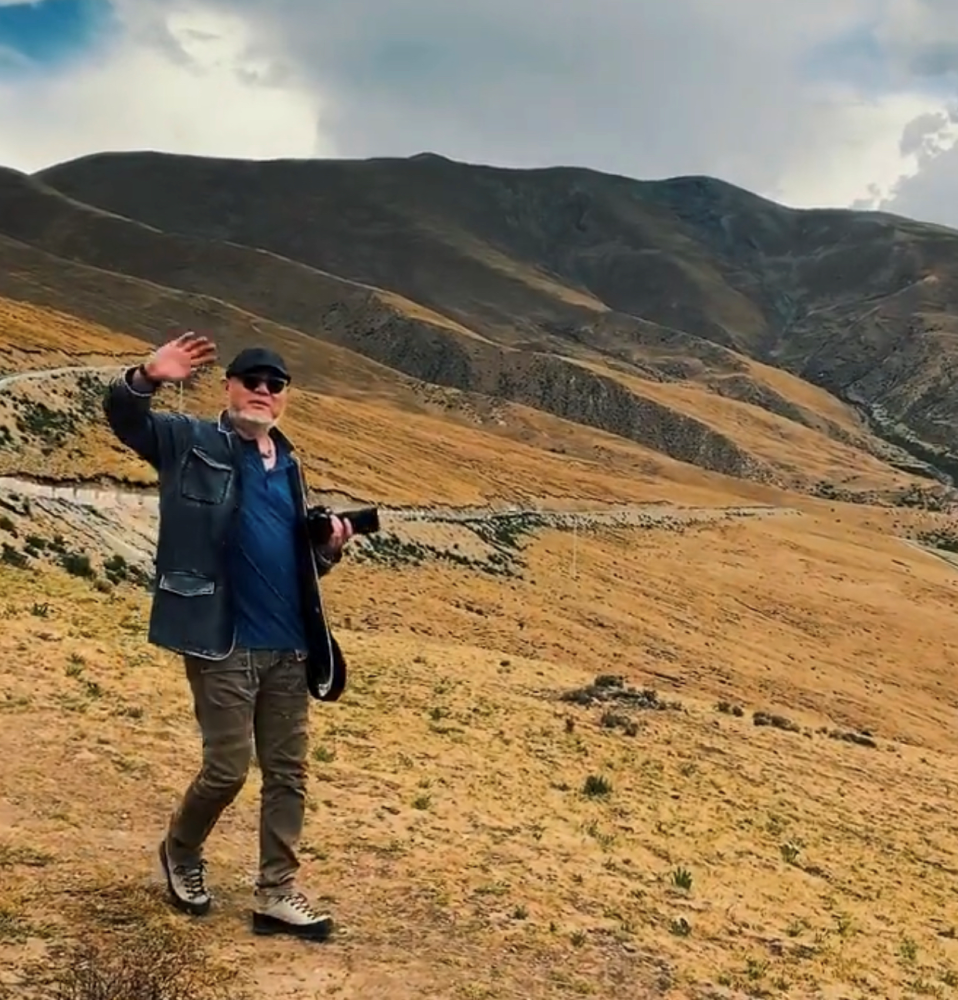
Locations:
(855, 57)
(50, 33)
(858, 58)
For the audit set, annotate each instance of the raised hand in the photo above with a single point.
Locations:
(177, 359)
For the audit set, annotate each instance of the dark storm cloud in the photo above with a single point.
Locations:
(805, 102)
(639, 88)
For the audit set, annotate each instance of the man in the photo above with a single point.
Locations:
(237, 595)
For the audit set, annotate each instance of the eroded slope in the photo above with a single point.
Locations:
(578, 373)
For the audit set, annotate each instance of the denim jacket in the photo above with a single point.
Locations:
(200, 487)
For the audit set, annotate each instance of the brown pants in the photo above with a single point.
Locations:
(252, 694)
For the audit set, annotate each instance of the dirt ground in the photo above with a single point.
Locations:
(480, 837)
(754, 799)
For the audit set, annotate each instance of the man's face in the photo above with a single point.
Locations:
(257, 399)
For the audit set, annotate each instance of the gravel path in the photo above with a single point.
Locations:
(40, 373)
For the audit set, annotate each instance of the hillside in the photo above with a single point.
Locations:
(572, 260)
(756, 811)
(641, 704)
(446, 276)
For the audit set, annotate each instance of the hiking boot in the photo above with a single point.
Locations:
(187, 885)
(290, 913)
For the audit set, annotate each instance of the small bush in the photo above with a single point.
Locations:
(116, 568)
(13, 557)
(776, 722)
(862, 739)
(790, 852)
(51, 426)
(729, 708)
(945, 540)
(596, 786)
(77, 564)
(152, 960)
(615, 720)
(681, 878)
(611, 688)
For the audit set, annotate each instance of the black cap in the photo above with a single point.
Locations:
(257, 359)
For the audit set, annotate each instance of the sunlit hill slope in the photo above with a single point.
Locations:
(615, 304)
(692, 740)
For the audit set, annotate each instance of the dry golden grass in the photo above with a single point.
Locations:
(415, 310)
(800, 452)
(809, 396)
(449, 824)
(349, 406)
(372, 448)
(525, 273)
(377, 449)
(357, 447)
(477, 836)
(360, 427)
(37, 337)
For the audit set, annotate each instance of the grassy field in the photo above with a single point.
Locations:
(773, 821)
(688, 759)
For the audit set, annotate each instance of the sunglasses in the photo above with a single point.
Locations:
(274, 384)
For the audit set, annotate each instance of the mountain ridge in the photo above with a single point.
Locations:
(518, 284)
(560, 715)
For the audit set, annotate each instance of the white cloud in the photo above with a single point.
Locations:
(930, 193)
(648, 90)
(211, 99)
(856, 151)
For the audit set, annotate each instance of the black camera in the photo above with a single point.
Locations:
(364, 521)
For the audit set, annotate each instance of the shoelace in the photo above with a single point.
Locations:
(299, 902)
(193, 879)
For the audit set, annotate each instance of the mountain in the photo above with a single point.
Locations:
(687, 315)
(625, 717)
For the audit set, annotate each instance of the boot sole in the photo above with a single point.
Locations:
(192, 909)
(264, 925)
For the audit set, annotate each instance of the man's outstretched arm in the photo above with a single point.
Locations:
(128, 407)
(128, 401)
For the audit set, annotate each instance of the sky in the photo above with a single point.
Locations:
(848, 103)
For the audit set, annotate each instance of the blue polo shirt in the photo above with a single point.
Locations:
(263, 566)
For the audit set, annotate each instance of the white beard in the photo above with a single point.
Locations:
(252, 422)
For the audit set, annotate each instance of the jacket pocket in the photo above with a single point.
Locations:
(186, 584)
(204, 478)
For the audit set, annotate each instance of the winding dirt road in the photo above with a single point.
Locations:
(126, 520)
